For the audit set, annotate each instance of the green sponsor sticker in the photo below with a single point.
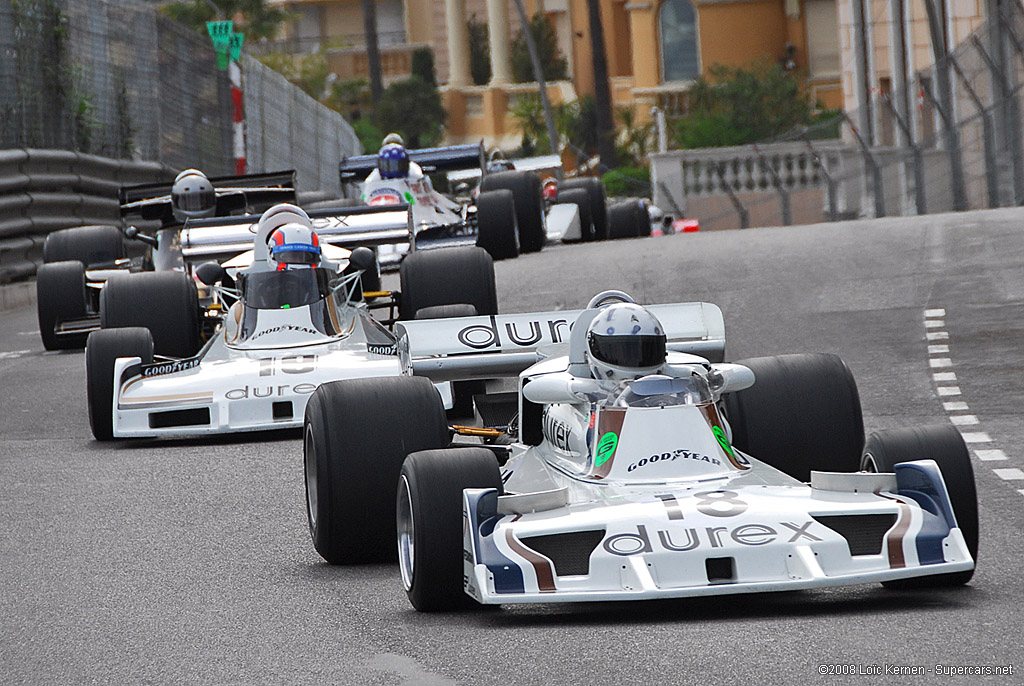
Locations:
(606, 448)
(723, 441)
(409, 198)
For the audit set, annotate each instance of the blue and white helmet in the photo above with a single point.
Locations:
(393, 161)
(625, 341)
(294, 246)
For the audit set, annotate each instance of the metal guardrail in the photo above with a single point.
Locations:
(47, 190)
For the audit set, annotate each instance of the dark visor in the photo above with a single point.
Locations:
(193, 200)
(296, 257)
(628, 351)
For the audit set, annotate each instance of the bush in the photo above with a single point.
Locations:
(552, 61)
(369, 135)
(412, 108)
(628, 181)
(479, 52)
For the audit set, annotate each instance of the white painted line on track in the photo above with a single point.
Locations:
(937, 349)
(948, 390)
(990, 455)
(1009, 474)
(944, 376)
(955, 406)
(976, 437)
(937, 335)
(934, 324)
(938, 312)
(963, 419)
(940, 362)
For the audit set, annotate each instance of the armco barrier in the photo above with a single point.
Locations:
(46, 190)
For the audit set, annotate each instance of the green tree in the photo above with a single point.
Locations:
(635, 139)
(738, 106)
(413, 108)
(308, 72)
(555, 66)
(479, 52)
(258, 18)
(423, 65)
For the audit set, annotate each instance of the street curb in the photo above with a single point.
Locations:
(15, 295)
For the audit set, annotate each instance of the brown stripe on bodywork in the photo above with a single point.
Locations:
(894, 539)
(710, 412)
(541, 565)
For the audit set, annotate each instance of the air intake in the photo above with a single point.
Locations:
(199, 416)
(863, 533)
(569, 551)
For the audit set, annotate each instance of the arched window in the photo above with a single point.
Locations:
(677, 28)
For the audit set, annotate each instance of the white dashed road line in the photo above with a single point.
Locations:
(934, 319)
(13, 355)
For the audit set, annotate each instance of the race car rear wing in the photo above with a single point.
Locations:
(355, 169)
(250, 193)
(220, 238)
(504, 345)
(543, 163)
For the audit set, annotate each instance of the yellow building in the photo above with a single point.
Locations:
(655, 49)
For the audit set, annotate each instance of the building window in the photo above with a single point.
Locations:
(822, 39)
(677, 26)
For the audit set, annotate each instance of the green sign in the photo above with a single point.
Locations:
(226, 42)
(235, 45)
(606, 448)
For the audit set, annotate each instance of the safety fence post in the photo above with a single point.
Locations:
(780, 187)
(919, 200)
(876, 173)
(727, 187)
(991, 168)
(831, 185)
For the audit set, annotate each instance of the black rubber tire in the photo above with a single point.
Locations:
(462, 391)
(435, 480)
(101, 351)
(802, 413)
(529, 199)
(497, 231)
(166, 303)
(447, 276)
(944, 444)
(628, 220)
(598, 202)
(61, 296)
(581, 198)
(357, 433)
(93, 246)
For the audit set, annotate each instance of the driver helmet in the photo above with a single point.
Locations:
(393, 161)
(393, 138)
(192, 196)
(625, 341)
(497, 162)
(294, 246)
(550, 188)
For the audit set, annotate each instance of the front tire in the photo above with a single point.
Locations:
(101, 351)
(802, 413)
(430, 526)
(496, 227)
(529, 200)
(93, 246)
(357, 433)
(166, 303)
(598, 202)
(60, 297)
(944, 444)
(580, 198)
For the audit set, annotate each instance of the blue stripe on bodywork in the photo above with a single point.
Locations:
(482, 506)
(922, 481)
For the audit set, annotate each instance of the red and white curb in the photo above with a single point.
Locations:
(948, 391)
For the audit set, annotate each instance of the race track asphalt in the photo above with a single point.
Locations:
(190, 561)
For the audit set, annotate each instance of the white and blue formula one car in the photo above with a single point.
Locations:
(272, 335)
(631, 472)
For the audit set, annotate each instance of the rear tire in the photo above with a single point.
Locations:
(580, 198)
(447, 276)
(61, 296)
(166, 303)
(93, 246)
(802, 413)
(462, 391)
(496, 229)
(628, 220)
(598, 202)
(529, 199)
(357, 433)
(102, 350)
(944, 444)
(430, 523)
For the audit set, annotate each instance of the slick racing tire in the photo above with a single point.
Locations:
(580, 198)
(357, 433)
(598, 202)
(101, 351)
(447, 276)
(61, 296)
(93, 246)
(430, 526)
(628, 220)
(529, 199)
(462, 391)
(166, 303)
(944, 444)
(802, 413)
(496, 229)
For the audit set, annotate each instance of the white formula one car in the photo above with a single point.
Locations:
(701, 478)
(286, 332)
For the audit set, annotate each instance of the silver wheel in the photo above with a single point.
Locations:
(868, 464)
(309, 457)
(406, 533)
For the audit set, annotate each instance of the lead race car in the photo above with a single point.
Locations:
(300, 316)
(635, 468)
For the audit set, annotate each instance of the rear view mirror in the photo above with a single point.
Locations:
(210, 273)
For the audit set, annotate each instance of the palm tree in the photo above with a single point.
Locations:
(372, 51)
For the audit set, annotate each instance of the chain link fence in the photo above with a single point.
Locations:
(121, 80)
(911, 151)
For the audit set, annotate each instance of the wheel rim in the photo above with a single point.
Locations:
(309, 457)
(868, 464)
(406, 533)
